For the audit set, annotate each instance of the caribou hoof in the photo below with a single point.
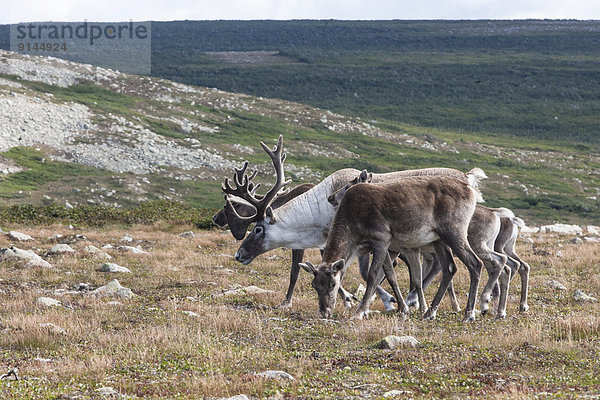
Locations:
(469, 317)
(285, 304)
(430, 315)
(500, 316)
(524, 308)
(389, 307)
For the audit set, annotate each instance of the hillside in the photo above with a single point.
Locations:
(532, 78)
(78, 134)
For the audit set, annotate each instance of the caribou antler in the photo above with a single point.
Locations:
(246, 190)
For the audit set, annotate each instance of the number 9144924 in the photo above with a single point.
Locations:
(43, 46)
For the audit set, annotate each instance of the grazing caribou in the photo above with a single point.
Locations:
(404, 214)
(304, 221)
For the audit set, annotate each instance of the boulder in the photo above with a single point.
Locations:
(21, 237)
(580, 296)
(563, 229)
(393, 342)
(278, 375)
(113, 268)
(113, 289)
(61, 248)
(556, 285)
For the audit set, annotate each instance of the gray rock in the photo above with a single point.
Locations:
(108, 392)
(39, 262)
(556, 285)
(127, 238)
(48, 302)
(190, 313)
(237, 397)
(392, 342)
(21, 237)
(396, 393)
(113, 268)
(113, 289)
(576, 240)
(58, 249)
(188, 234)
(279, 375)
(53, 328)
(134, 250)
(246, 290)
(97, 253)
(580, 296)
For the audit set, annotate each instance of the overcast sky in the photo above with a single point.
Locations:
(13, 11)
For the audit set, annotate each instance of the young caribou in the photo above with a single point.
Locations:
(405, 214)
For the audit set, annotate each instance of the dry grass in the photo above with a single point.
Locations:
(147, 347)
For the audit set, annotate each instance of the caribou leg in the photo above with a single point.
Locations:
(380, 255)
(297, 256)
(386, 298)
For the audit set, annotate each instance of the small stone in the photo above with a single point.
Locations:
(190, 313)
(188, 234)
(279, 375)
(42, 360)
(556, 285)
(576, 240)
(113, 268)
(39, 262)
(83, 287)
(134, 250)
(53, 328)
(360, 291)
(560, 254)
(591, 239)
(580, 296)
(55, 237)
(392, 342)
(58, 249)
(127, 238)
(112, 289)
(49, 302)
(108, 247)
(237, 397)
(246, 290)
(109, 392)
(21, 237)
(396, 393)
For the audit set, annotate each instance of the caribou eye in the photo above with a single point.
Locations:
(258, 230)
(332, 285)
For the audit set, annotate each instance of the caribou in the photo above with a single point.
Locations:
(303, 222)
(395, 216)
(492, 234)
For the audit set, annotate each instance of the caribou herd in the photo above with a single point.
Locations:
(425, 217)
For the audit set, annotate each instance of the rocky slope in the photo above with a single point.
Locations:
(140, 138)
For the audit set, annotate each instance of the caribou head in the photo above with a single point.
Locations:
(326, 281)
(336, 198)
(243, 205)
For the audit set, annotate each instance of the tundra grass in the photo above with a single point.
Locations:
(147, 347)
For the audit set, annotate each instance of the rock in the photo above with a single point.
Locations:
(56, 237)
(108, 247)
(564, 229)
(33, 260)
(97, 253)
(53, 328)
(279, 375)
(49, 302)
(58, 249)
(42, 360)
(591, 239)
(246, 290)
(360, 291)
(39, 262)
(556, 285)
(576, 240)
(392, 342)
(113, 289)
(134, 250)
(113, 268)
(83, 287)
(580, 296)
(190, 313)
(529, 241)
(560, 254)
(396, 393)
(593, 230)
(21, 237)
(188, 234)
(127, 238)
(237, 397)
(108, 392)
(528, 229)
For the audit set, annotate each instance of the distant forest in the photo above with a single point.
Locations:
(538, 78)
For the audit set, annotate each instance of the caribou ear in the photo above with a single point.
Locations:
(369, 178)
(308, 267)
(269, 213)
(363, 175)
(338, 265)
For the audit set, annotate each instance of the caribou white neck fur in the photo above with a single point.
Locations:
(304, 221)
